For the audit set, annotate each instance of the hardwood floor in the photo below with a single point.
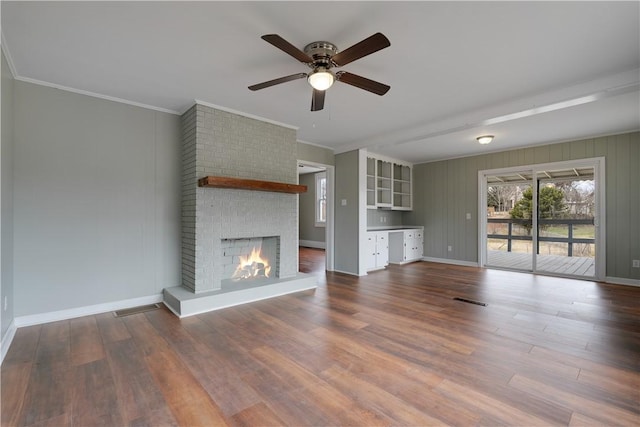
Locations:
(391, 348)
(311, 260)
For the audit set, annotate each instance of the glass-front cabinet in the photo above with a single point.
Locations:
(402, 195)
(389, 183)
(371, 182)
(383, 187)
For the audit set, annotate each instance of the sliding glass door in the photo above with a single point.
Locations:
(566, 222)
(544, 219)
(508, 234)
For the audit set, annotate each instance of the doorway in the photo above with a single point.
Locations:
(544, 219)
(316, 209)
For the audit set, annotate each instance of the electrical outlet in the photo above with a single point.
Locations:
(468, 215)
(636, 263)
(449, 248)
(381, 219)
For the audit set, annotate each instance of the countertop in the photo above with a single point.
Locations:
(395, 227)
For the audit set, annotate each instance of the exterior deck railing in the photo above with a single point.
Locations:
(527, 223)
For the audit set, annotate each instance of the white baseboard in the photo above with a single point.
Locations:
(349, 273)
(622, 281)
(54, 316)
(450, 261)
(608, 279)
(7, 339)
(312, 244)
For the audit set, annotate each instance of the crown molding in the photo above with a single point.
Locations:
(7, 55)
(241, 113)
(18, 77)
(315, 145)
(95, 95)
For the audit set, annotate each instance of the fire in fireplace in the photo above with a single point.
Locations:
(252, 266)
(254, 258)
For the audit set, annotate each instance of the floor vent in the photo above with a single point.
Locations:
(135, 310)
(470, 301)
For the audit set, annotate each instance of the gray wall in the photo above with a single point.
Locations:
(6, 228)
(390, 217)
(96, 200)
(445, 191)
(308, 229)
(346, 217)
(313, 153)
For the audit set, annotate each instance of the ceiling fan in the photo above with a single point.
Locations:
(321, 57)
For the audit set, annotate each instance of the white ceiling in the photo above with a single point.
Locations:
(457, 70)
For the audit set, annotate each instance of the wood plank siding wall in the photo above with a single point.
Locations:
(445, 191)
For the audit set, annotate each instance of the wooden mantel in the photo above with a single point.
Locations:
(250, 184)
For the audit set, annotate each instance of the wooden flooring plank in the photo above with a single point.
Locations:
(14, 383)
(257, 415)
(378, 399)
(138, 394)
(339, 408)
(215, 375)
(48, 393)
(23, 347)
(111, 328)
(188, 401)
(86, 342)
(488, 406)
(389, 348)
(94, 397)
(608, 414)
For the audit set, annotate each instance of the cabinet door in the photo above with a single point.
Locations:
(371, 251)
(419, 244)
(371, 182)
(382, 249)
(402, 187)
(384, 183)
(413, 245)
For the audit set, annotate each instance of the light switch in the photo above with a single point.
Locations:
(343, 202)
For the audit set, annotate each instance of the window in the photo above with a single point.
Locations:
(321, 199)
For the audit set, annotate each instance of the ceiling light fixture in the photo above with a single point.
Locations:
(321, 79)
(485, 139)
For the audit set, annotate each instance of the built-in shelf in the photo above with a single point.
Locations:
(389, 183)
(250, 184)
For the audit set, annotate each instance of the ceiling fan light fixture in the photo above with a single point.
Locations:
(485, 139)
(321, 79)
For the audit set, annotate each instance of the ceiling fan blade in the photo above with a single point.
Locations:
(362, 83)
(317, 100)
(277, 81)
(366, 47)
(287, 47)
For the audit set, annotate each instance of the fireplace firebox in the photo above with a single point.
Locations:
(250, 259)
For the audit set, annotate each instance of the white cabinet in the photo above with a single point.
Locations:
(371, 182)
(402, 187)
(406, 246)
(383, 184)
(377, 250)
(389, 183)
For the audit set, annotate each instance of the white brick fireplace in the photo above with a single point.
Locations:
(220, 143)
